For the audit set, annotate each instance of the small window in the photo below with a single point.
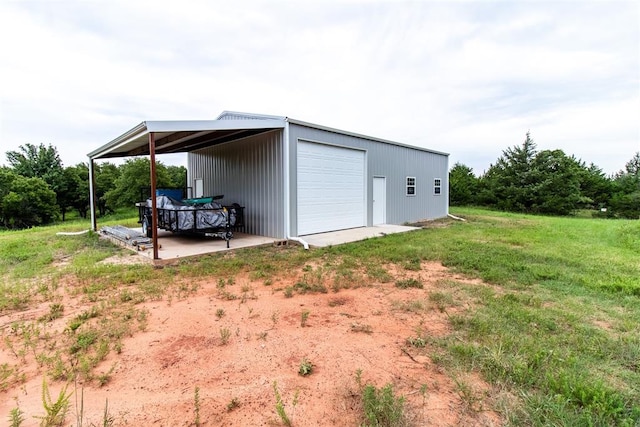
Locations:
(437, 185)
(411, 186)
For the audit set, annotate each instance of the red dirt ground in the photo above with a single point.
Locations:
(156, 373)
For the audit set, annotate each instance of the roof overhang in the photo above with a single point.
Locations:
(182, 136)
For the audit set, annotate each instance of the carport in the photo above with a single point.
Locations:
(150, 138)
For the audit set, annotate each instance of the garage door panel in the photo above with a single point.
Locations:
(330, 188)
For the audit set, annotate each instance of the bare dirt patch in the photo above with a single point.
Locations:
(234, 351)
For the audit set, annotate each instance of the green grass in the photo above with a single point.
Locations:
(557, 327)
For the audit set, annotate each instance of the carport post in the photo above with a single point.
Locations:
(154, 209)
(92, 195)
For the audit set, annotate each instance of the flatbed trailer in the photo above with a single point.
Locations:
(204, 216)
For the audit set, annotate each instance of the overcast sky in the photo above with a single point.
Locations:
(467, 78)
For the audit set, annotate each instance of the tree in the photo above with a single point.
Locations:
(463, 185)
(510, 183)
(595, 187)
(38, 162)
(548, 182)
(177, 176)
(557, 188)
(25, 202)
(134, 176)
(106, 175)
(626, 199)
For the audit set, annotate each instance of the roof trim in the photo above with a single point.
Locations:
(359, 135)
(136, 136)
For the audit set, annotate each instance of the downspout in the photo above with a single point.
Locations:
(287, 189)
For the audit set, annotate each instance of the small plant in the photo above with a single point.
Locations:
(55, 312)
(336, 301)
(55, 412)
(280, 405)
(409, 283)
(262, 335)
(382, 408)
(288, 292)
(418, 342)
(361, 327)
(274, 317)
(220, 313)
(225, 334)
(306, 367)
(304, 316)
(235, 403)
(196, 406)
(16, 417)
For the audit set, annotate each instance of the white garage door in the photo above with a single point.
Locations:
(330, 188)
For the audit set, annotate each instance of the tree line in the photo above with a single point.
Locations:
(524, 179)
(36, 188)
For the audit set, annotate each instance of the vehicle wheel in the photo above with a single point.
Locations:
(146, 227)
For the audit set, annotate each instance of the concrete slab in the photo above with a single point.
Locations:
(333, 238)
(179, 246)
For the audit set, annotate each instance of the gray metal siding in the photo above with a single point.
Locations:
(394, 162)
(248, 172)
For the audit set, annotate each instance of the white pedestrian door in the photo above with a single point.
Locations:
(379, 200)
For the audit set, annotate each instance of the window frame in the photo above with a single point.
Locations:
(437, 186)
(410, 187)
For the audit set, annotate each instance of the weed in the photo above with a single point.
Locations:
(16, 417)
(225, 334)
(468, 396)
(306, 367)
(304, 316)
(418, 342)
(382, 408)
(412, 264)
(235, 403)
(409, 283)
(442, 300)
(105, 377)
(361, 327)
(196, 406)
(414, 306)
(337, 301)
(262, 335)
(280, 410)
(55, 312)
(220, 313)
(274, 317)
(55, 412)
(288, 292)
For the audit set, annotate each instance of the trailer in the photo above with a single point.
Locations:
(203, 216)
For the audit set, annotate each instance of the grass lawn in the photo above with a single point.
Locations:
(556, 330)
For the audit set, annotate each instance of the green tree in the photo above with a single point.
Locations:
(510, 183)
(134, 176)
(595, 187)
(106, 175)
(25, 202)
(177, 176)
(626, 199)
(463, 185)
(557, 183)
(38, 162)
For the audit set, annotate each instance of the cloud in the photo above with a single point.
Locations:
(469, 78)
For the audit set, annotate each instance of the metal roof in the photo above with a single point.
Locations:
(190, 135)
(181, 136)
